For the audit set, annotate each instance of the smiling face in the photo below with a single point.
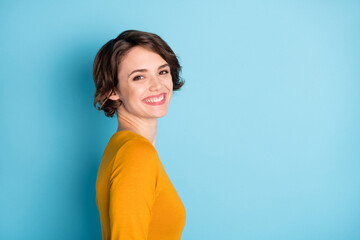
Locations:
(145, 85)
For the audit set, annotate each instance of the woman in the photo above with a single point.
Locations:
(135, 75)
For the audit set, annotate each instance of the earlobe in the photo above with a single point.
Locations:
(114, 96)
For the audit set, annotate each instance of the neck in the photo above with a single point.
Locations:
(144, 127)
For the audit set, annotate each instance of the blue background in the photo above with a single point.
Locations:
(262, 142)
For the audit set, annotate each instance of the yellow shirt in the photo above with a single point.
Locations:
(134, 195)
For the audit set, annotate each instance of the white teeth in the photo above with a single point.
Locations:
(155, 99)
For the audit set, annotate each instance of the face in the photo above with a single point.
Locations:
(145, 84)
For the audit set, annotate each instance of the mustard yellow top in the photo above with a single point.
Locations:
(134, 195)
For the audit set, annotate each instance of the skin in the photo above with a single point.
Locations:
(134, 114)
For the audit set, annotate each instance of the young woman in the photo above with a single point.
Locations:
(135, 75)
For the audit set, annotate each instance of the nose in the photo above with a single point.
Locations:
(155, 83)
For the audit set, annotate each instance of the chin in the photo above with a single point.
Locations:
(158, 114)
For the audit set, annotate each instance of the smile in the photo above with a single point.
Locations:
(155, 100)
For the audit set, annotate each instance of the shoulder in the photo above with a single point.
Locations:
(138, 145)
(127, 140)
(137, 152)
(137, 161)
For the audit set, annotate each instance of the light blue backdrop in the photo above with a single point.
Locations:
(262, 143)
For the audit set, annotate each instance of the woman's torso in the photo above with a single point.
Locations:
(166, 219)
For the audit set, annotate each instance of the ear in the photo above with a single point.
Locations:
(114, 95)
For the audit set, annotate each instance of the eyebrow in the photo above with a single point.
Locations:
(144, 70)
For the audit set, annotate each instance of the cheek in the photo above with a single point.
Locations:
(170, 87)
(169, 83)
(136, 94)
(127, 94)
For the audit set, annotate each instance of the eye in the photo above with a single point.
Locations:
(138, 77)
(164, 72)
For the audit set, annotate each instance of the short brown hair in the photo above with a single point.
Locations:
(107, 60)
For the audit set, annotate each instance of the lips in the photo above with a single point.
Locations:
(155, 99)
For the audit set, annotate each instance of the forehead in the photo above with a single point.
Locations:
(140, 57)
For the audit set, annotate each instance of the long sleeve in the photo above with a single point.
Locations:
(132, 184)
(134, 194)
